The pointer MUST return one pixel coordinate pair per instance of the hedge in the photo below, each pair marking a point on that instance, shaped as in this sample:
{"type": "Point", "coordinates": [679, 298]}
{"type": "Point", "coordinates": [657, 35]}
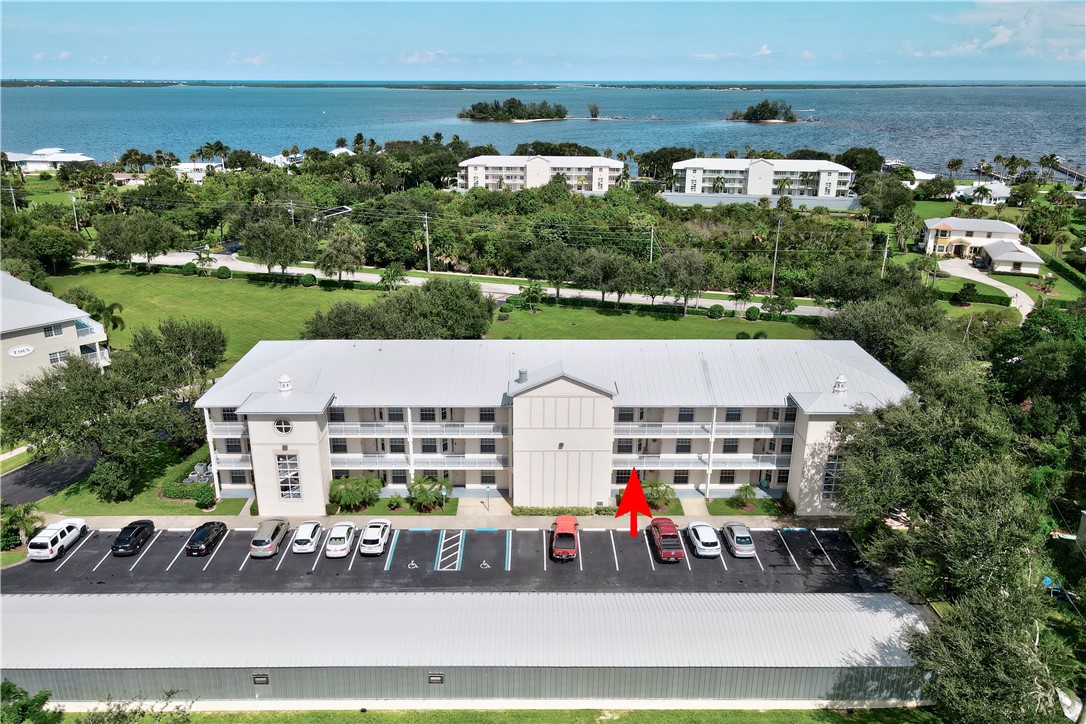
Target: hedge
{"type": "Point", "coordinates": [252, 277]}
{"type": "Point", "coordinates": [1001, 300]}
{"type": "Point", "coordinates": [566, 510]}
{"type": "Point", "coordinates": [1068, 272]}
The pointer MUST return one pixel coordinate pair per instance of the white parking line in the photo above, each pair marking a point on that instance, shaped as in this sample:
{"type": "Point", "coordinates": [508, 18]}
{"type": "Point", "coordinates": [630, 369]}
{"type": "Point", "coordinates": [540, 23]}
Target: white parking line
{"type": "Point", "coordinates": [69, 556]}
{"type": "Point", "coordinates": [596, 530]}
{"type": "Point", "coordinates": [218, 547]}
{"type": "Point", "coordinates": [179, 552]}
{"type": "Point", "coordinates": [291, 546]}
{"type": "Point", "coordinates": [354, 554]}
{"type": "Point", "coordinates": [614, 550]}
{"type": "Point", "coordinates": [144, 551]}
{"type": "Point", "coordinates": [101, 561]}
{"type": "Point", "coordinates": [761, 530]}
{"type": "Point", "coordinates": [109, 530]}
{"type": "Point", "coordinates": [451, 551]}
{"type": "Point", "coordinates": [686, 554]}
{"type": "Point", "coordinates": [320, 550]}
{"type": "Point", "coordinates": [245, 530]}
{"type": "Point", "coordinates": [649, 551]}
{"type": "Point", "coordinates": [824, 550]}
{"type": "Point", "coordinates": [722, 562]}
{"type": "Point", "coordinates": [759, 559]}
{"type": "Point", "coordinates": [580, 550]}
{"type": "Point", "coordinates": [544, 550]}
{"type": "Point", "coordinates": [827, 530]}
{"type": "Point", "coordinates": [247, 557]}
{"type": "Point", "coordinates": [527, 530]}
{"type": "Point", "coordinates": [178, 530]}
{"type": "Point", "coordinates": [788, 549]}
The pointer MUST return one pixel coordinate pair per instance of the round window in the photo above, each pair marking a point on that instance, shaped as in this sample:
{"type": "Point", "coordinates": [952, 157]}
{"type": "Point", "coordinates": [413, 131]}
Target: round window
{"type": "Point", "coordinates": [283, 427]}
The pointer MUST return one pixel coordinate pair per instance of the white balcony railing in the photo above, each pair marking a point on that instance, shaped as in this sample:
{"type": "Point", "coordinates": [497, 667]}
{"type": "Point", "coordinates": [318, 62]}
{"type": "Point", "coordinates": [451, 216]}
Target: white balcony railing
{"type": "Point", "coordinates": [89, 328]}
{"type": "Point", "coordinates": [458, 429]}
{"type": "Point", "coordinates": [699, 461]}
{"type": "Point", "coordinates": [701, 429]}
{"type": "Point", "coordinates": [398, 461]}
{"type": "Point", "coordinates": [229, 429]}
{"type": "Point", "coordinates": [367, 429]}
{"type": "Point", "coordinates": [231, 461]}
{"type": "Point", "coordinates": [381, 461]}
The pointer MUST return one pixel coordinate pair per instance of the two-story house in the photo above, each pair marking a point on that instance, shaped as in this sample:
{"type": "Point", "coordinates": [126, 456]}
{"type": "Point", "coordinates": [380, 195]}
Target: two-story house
{"type": "Point", "coordinates": [963, 237]}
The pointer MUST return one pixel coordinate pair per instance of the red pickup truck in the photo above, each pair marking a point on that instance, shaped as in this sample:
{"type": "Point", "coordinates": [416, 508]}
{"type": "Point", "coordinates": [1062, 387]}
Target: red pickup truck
{"type": "Point", "coordinates": [665, 537]}
{"type": "Point", "coordinates": [564, 538]}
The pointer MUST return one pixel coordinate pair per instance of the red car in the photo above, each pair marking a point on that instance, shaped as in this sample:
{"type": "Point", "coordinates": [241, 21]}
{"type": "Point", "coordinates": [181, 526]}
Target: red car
{"type": "Point", "coordinates": [564, 538]}
{"type": "Point", "coordinates": [665, 537]}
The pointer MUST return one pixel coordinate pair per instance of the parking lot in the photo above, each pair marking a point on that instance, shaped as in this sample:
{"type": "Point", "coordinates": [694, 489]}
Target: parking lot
{"type": "Point", "coordinates": [484, 559]}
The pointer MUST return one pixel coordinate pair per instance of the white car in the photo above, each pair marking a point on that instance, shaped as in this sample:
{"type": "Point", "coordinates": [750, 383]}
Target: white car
{"type": "Point", "coordinates": [340, 540]}
{"type": "Point", "coordinates": [703, 539]}
{"type": "Point", "coordinates": [375, 537]}
{"type": "Point", "coordinates": [308, 537]}
{"type": "Point", "coordinates": [54, 539]}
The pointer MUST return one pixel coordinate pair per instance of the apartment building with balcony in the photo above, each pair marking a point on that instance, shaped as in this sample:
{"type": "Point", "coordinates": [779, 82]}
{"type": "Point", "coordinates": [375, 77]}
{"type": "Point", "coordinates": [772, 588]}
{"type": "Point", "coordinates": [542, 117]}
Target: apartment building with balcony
{"type": "Point", "coordinates": [559, 422]}
{"type": "Point", "coordinates": [587, 174]}
{"type": "Point", "coordinates": [40, 331]}
{"type": "Point", "coordinates": [763, 177]}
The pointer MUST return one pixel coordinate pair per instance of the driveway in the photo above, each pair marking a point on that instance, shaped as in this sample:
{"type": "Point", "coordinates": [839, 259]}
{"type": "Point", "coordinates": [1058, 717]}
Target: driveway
{"type": "Point", "coordinates": [35, 481]}
{"type": "Point", "coordinates": [961, 268]}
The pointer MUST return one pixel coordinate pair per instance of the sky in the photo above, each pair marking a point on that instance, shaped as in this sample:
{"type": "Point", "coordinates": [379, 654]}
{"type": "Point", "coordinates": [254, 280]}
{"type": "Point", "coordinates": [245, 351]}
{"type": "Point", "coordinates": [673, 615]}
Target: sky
{"type": "Point", "coordinates": [537, 41]}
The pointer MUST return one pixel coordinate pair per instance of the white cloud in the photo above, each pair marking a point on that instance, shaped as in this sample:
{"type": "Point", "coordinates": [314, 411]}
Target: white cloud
{"type": "Point", "coordinates": [764, 50]}
{"type": "Point", "coordinates": [807, 55]}
{"type": "Point", "coordinates": [428, 58]}
{"type": "Point", "coordinates": [39, 56]}
{"type": "Point", "coordinates": [258, 59]}
{"type": "Point", "coordinates": [971, 47]}
{"type": "Point", "coordinates": [64, 55]}
{"type": "Point", "coordinates": [1024, 29]}
{"type": "Point", "coordinates": [96, 60]}
{"type": "Point", "coordinates": [710, 57]}
{"type": "Point", "coordinates": [1001, 35]}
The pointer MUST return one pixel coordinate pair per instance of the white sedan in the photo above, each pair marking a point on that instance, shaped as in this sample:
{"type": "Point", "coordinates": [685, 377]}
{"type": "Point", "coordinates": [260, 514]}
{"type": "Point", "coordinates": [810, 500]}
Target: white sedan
{"type": "Point", "coordinates": [375, 537]}
{"type": "Point", "coordinates": [307, 539]}
{"type": "Point", "coordinates": [703, 539]}
{"type": "Point", "coordinates": [340, 540]}
{"type": "Point", "coordinates": [54, 539]}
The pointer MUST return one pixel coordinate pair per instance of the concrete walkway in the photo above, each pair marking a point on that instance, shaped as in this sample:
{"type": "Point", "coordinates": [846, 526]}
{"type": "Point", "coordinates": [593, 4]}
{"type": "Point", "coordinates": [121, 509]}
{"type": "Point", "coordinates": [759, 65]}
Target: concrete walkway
{"type": "Point", "coordinates": [963, 269]}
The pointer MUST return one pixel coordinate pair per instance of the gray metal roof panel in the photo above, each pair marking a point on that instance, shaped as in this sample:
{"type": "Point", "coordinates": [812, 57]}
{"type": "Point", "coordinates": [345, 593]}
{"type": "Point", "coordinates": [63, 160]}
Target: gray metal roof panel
{"type": "Point", "coordinates": [963, 224]}
{"type": "Point", "coordinates": [273, 403]}
{"type": "Point", "coordinates": [476, 629]}
{"type": "Point", "coordinates": [25, 306]}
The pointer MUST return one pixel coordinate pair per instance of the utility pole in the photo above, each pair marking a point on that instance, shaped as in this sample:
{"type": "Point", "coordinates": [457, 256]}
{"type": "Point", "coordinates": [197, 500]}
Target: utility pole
{"type": "Point", "coordinates": [885, 254]}
{"type": "Point", "coordinates": [426, 232]}
{"type": "Point", "coordinates": [652, 241]}
{"type": "Point", "coordinates": [290, 204]}
{"type": "Point", "coordinates": [74, 214]}
{"type": "Point", "coordinates": [776, 245]}
{"type": "Point", "coordinates": [12, 190]}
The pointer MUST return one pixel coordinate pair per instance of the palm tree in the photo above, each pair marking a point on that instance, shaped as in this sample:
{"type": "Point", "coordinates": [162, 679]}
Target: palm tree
{"type": "Point", "coordinates": [111, 199]}
{"type": "Point", "coordinates": [954, 165]}
{"type": "Point", "coordinates": [24, 518]}
{"type": "Point", "coordinates": [782, 184]}
{"type": "Point", "coordinates": [809, 179]}
{"type": "Point", "coordinates": [1050, 162]}
{"type": "Point", "coordinates": [392, 276]}
{"type": "Point", "coordinates": [998, 209]}
{"type": "Point", "coordinates": [718, 185]}
{"type": "Point", "coordinates": [106, 314]}
{"type": "Point", "coordinates": [1002, 161]}
{"type": "Point", "coordinates": [607, 152]}
{"type": "Point", "coordinates": [982, 193]}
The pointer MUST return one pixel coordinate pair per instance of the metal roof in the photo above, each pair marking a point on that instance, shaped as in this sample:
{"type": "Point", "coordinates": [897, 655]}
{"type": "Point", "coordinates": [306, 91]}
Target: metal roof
{"type": "Point", "coordinates": [540, 377]}
{"type": "Point", "coordinates": [466, 629]}
{"type": "Point", "coordinates": [25, 306]}
{"type": "Point", "coordinates": [478, 373]}
{"type": "Point", "coordinates": [958, 224]}
{"type": "Point", "coordinates": [778, 164]}
{"type": "Point", "coordinates": [1006, 250]}
{"type": "Point", "coordinates": [273, 403]}
{"type": "Point", "coordinates": [560, 161]}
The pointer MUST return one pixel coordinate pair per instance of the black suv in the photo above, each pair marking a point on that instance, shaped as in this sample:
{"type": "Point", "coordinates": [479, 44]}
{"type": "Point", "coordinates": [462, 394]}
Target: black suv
{"type": "Point", "coordinates": [132, 538]}
{"type": "Point", "coordinates": [205, 538]}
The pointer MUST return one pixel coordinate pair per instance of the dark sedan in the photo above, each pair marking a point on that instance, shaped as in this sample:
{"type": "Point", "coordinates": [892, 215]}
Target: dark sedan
{"type": "Point", "coordinates": [133, 537]}
{"type": "Point", "coordinates": [204, 539]}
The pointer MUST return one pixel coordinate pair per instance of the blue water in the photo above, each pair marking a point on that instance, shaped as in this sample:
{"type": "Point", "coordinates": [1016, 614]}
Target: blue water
{"type": "Point", "coordinates": [924, 125]}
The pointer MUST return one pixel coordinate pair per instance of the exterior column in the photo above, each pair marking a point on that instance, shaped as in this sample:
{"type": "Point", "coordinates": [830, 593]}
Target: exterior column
{"type": "Point", "coordinates": [410, 446]}
{"type": "Point", "coordinates": [709, 460]}
{"type": "Point", "coordinates": [211, 449]}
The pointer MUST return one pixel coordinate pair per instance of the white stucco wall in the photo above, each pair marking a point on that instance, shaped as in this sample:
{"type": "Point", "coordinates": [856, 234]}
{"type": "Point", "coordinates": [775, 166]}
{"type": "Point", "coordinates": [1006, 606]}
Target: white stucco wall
{"type": "Point", "coordinates": [308, 441]}
{"type": "Point", "coordinates": [811, 444]}
{"type": "Point", "coordinates": [537, 172]}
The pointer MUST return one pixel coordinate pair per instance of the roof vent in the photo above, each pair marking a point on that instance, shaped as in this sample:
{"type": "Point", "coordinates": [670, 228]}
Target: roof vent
{"type": "Point", "coordinates": [522, 376]}
{"type": "Point", "coordinates": [285, 385]}
{"type": "Point", "coordinates": [840, 385]}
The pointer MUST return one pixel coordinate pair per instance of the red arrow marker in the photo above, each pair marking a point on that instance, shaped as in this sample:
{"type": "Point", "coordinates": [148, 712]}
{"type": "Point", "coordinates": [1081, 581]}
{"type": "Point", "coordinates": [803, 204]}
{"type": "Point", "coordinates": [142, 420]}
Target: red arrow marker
{"type": "Point", "coordinates": [633, 502]}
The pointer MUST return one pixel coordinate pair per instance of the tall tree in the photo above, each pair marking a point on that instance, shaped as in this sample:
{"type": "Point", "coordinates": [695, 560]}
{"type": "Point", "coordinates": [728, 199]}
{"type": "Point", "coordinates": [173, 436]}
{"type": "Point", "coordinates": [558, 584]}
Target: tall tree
{"type": "Point", "coordinates": [687, 273]}
{"type": "Point", "coordinates": [344, 252]}
{"type": "Point", "coordinates": [553, 262]}
{"type": "Point", "coordinates": [954, 165]}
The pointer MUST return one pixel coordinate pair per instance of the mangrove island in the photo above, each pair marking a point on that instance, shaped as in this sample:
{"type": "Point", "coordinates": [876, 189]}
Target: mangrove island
{"type": "Point", "coordinates": [766, 111]}
{"type": "Point", "coordinates": [513, 109]}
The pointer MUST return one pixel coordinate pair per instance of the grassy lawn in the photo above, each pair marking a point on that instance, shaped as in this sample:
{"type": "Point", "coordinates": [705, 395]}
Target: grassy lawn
{"type": "Point", "coordinates": [15, 461]}
{"type": "Point", "coordinates": [1063, 289]}
{"type": "Point", "coordinates": [588, 323]}
{"type": "Point", "coordinates": [941, 209]}
{"type": "Point", "coordinates": [727, 506]}
{"type": "Point", "coordinates": [953, 284]}
{"type": "Point", "coordinates": [380, 508]}
{"type": "Point", "coordinates": [46, 192]}
{"type": "Point", "coordinates": [7, 558]}
{"type": "Point", "coordinates": [247, 312]}
{"type": "Point", "coordinates": [953, 311]}
{"type": "Point", "coordinates": [674, 507]}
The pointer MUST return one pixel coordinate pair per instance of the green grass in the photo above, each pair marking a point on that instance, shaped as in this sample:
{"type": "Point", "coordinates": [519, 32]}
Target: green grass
{"type": "Point", "coordinates": [46, 192]}
{"type": "Point", "coordinates": [953, 284]}
{"type": "Point", "coordinates": [589, 323]}
{"type": "Point", "coordinates": [953, 311]}
{"type": "Point", "coordinates": [727, 506]}
{"type": "Point", "coordinates": [381, 508]}
{"type": "Point", "coordinates": [14, 462]}
{"type": "Point", "coordinates": [8, 558]}
{"type": "Point", "coordinates": [940, 209]}
{"type": "Point", "coordinates": [674, 507]}
{"type": "Point", "coordinates": [1063, 289]}
{"type": "Point", "coordinates": [247, 312]}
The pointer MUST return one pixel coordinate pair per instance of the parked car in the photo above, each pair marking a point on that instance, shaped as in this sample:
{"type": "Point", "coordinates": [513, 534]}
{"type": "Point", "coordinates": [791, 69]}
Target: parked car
{"type": "Point", "coordinates": [564, 538]}
{"type": "Point", "coordinates": [205, 538]}
{"type": "Point", "coordinates": [268, 537]}
{"type": "Point", "coordinates": [703, 539]}
{"type": "Point", "coordinates": [739, 540]}
{"type": "Point", "coordinates": [340, 540]}
{"type": "Point", "coordinates": [308, 537]}
{"type": "Point", "coordinates": [375, 537]}
{"type": "Point", "coordinates": [665, 537]}
{"type": "Point", "coordinates": [54, 539]}
{"type": "Point", "coordinates": [132, 538]}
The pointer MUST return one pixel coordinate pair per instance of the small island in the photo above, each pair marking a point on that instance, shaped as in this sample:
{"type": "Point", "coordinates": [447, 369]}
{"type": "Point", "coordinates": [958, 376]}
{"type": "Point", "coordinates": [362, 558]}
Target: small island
{"type": "Point", "coordinates": [766, 112]}
{"type": "Point", "coordinates": [513, 109]}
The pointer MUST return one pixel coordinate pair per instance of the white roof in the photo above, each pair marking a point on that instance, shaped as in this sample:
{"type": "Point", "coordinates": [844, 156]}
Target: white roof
{"type": "Point", "coordinates": [25, 306]}
{"type": "Point", "coordinates": [956, 223]}
{"type": "Point", "coordinates": [997, 189]}
{"type": "Point", "coordinates": [561, 161]}
{"type": "Point", "coordinates": [53, 155]}
{"type": "Point", "coordinates": [341, 151]}
{"type": "Point", "coordinates": [821, 630]}
{"type": "Point", "coordinates": [742, 164]}
{"type": "Point", "coordinates": [1006, 250]}
{"type": "Point", "coordinates": [47, 151]}
{"type": "Point", "coordinates": [478, 373]}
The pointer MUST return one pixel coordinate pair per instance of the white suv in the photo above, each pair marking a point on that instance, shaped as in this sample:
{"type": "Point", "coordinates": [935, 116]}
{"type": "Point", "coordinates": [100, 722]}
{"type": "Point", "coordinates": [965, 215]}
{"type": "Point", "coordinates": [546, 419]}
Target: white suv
{"type": "Point", "coordinates": [55, 538]}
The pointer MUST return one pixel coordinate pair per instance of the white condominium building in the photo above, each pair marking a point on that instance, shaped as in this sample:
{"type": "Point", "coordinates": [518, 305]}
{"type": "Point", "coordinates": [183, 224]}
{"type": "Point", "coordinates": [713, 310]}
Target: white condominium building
{"type": "Point", "coordinates": [763, 177]}
{"type": "Point", "coordinates": [594, 174]}
{"type": "Point", "coordinates": [40, 331]}
{"type": "Point", "coordinates": [551, 423]}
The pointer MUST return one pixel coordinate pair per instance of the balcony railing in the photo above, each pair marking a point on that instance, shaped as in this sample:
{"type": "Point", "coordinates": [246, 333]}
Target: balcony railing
{"type": "Point", "coordinates": [701, 429]}
{"type": "Point", "coordinates": [458, 429]}
{"type": "Point", "coordinates": [699, 461]}
{"type": "Point", "coordinates": [398, 461]}
{"type": "Point", "coordinates": [367, 429]}
{"type": "Point", "coordinates": [230, 461]}
{"type": "Point", "coordinates": [229, 429]}
{"type": "Point", "coordinates": [89, 328]}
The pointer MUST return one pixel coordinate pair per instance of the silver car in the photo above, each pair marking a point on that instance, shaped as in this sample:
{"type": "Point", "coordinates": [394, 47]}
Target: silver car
{"type": "Point", "coordinates": [739, 540]}
{"type": "Point", "coordinates": [703, 540]}
{"type": "Point", "coordinates": [268, 537]}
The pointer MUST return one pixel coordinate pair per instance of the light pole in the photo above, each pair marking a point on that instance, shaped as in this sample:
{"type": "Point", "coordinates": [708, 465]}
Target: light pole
{"type": "Point", "coordinates": [443, 497]}
{"type": "Point", "coordinates": [488, 498]}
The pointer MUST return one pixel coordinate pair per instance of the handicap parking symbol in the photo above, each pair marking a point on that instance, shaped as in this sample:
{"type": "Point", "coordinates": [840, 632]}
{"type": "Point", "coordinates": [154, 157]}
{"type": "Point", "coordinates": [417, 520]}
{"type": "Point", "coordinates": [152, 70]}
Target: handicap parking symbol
{"type": "Point", "coordinates": [412, 565]}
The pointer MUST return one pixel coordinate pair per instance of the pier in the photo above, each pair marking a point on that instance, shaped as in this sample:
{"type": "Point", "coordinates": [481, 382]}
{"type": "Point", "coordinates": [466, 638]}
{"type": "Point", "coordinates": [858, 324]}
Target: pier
{"type": "Point", "coordinates": [1071, 173]}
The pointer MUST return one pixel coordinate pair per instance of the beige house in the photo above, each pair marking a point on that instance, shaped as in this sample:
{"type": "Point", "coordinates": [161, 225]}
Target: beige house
{"type": "Point", "coordinates": [1009, 256]}
{"type": "Point", "coordinates": [763, 177]}
{"type": "Point", "coordinates": [40, 331]}
{"type": "Point", "coordinates": [963, 237]}
{"type": "Point", "coordinates": [550, 423]}
{"type": "Point", "coordinates": [589, 174]}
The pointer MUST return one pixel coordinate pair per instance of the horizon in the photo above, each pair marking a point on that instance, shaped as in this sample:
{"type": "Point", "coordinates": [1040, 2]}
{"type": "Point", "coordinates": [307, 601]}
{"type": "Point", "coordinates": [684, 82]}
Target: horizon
{"type": "Point", "coordinates": [563, 81]}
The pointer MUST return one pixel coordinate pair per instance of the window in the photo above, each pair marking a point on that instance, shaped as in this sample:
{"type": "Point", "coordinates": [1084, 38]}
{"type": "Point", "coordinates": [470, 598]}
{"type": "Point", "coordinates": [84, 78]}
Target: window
{"type": "Point", "coordinates": [487, 477]}
{"type": "Point", "coordinates": [786, 446]}
{"type": "Point", "coordinates": [686, 414]}
{"type": "Point", "coordinates": [290, 487]}
{"type": "Point", "coordinates": [622, 477]}
{"type": "Point", "coordinates": [429, 444]}
{"type": "Point", "coordinates": [727, 477]}
{"type": "Point", "coordinates": [54, 330]}
{"type": "Point", "coordinates": [733, 414]}
{"type": "Point", "coordinates": [339, 444]}
{"type": "Point", "coordinates": [335, 414]}
{"type": "Point", "coordinates": [988, 235]}
{"type": "Point", "coordinates": [341, 474]}
{"type": "Point", "coordinates": [772, 445]}
{"type": "Point", "coordinates": [395, 414]}
{"type": "Point", "coordinates": [229, 414]}
{"type": "Point", "coordinates": [730, 445]}
{"type": "Point", "coordinates": [829, 480]}
{"type": "Point", "coordinates": [789, 414]}
{"type": "Point", "coordinates": [940, 249]}
{"type": "Point", "coordinates": [233, 445]}
{"type": "Point", "coordinates": [782, 478]}
{"type": "Point", "coordinates": [775, 414]}
{"type": "Point", "coordinates": [427, 414]}
{"type": "Point", "coordinates": [486, 414]}
{"type": "Point", "coordinates": [681, 477]}
{"type": "Point", "coordinates": [396, 445]}
{"type": "Point", "coordinates": [430, 474]}
{"type": "Point", "coordinates": [446, 414]}
{"type": "Point", "coordinates": [238, 477]}
{"type": "Point", "coordinates": [283, 427]}
{"type": "Point", "coordinates": [486, 445]}
{"type": "Point", "coordinates": [625, 414]}
{"type": "Point", "coordinates": [56, 358]}
{"type": "Point", "coordinates": [625, 445]}
{"type": "Point", "coordinates": [399, 477]}
{"type": "Point", "coordinates": [682, 445]}
{"type": "Point", "coordinates": [969, 235]}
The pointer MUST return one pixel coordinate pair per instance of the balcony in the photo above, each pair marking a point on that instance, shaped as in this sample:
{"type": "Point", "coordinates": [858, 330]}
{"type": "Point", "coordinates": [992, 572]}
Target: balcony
{"type": "Point", "coordinates": [230, 461]}
{"type": "Point", "coordinates": [229, 429]}
{"type": "Point", "coordinates": [696, 461]}
{"type": "Point", "coordinates": [89, 328]}
{"type": "Point", "coordinates": [380, 461]}
{"type": "Point", "coordinates": [701, 429]}
{"type": "Point", "coordinates": [458, 429]}
{"type": "Point", "coordinates": [367, 429]}
{"type": "Point", "coordinates": [398, 461]}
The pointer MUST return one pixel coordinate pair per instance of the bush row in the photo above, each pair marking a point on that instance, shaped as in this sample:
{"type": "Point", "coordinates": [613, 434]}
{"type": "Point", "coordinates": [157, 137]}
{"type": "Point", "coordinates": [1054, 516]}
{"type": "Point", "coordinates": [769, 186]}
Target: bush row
{"type": "Point", "coordinates": [202, 493]}
{"type": "Point", "coordinates": [566, 510]}
{"type": "Point", "coordinates": [665, 308]}
{"type": "Point", "coordinates": [224, 272]}
{"type": "Point", "coordinates": [998, 299]}
{"type": "Point", "coordinates": [1065, 270]}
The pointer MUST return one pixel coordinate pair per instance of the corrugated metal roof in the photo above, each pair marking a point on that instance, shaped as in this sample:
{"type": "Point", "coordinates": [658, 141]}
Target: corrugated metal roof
{"type": "Point", "coordinates": [778, 164]}
{"type": "Point", "coordinates": [455, 629]}
{"type": "Point", "coordinates": [1006, 250]}
{"type": "Point", "coordinates": [271, 403]}
{"type": "Point", "coordinates": [25, 306]}
{"type": "Point", "coordinates": [562, 161]}
{"type": "Point", "coordinates": [959, 224]}
{"type": "Point", "coordinates": [477, 373]}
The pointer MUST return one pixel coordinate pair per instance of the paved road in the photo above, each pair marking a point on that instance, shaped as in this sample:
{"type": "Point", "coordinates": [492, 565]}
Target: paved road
{"type": "Point", "coordinates": [961, 268]}
{"type": "Point", "coordinates": [35, 481]}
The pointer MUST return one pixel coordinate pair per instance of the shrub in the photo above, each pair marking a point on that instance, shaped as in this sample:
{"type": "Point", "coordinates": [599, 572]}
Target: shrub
{"type": "Point", "coordinates": [189, 269]}
{"type": "Point", "coordinates": [426, 493]}
{"type": "Point", "coordinates": [204, 495]}
{"type": "Point", "coordinates": [742, 335]}
{"type": "Point", "coordinates": [308, 280]}
{"type": "Point", "coordinates": [605, 510]}
{"type": "Point", "coordinates": [658, 493]}
{"type": "Point", "coordinates": [45, 176]}
{"type": "Point", "coordinates": [760, 334]}
{"type": "Point", "coordinates": [355, 493]}
{"type": "Point", "coordinates": [170, 269]}
{"type": "Point", "coordinates": [9, 538]}
{"type": "Point", "coordinates": [254, 509]}
{"type": "Point", "coordinates": [331, 509]}
{"type": "Point", "coordinates": [744, 496]}
{"type": "Point", "coordinates": [503, 317]}
{"type": "Point", "coordinates": [563, 510]}
{"type": "Point", "coordinates": [788, 506]}
{"type": "Point", "coordinates": [752, 313]}
{"type": "Point", "coordinates": [966, 295]}
{"type": "Point", "coordinates": [716, 311]}
{"type": "Point", "coordinates": [223, 272]}
{"type": "Point", "coordinates": [395, 501]}
{"type": "Point", "coordinates": [505, 308]}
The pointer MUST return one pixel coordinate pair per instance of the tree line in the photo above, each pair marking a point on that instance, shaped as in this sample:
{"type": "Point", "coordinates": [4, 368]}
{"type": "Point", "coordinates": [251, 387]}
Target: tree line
{"type": "Point", "coordinates": [513, 109]}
